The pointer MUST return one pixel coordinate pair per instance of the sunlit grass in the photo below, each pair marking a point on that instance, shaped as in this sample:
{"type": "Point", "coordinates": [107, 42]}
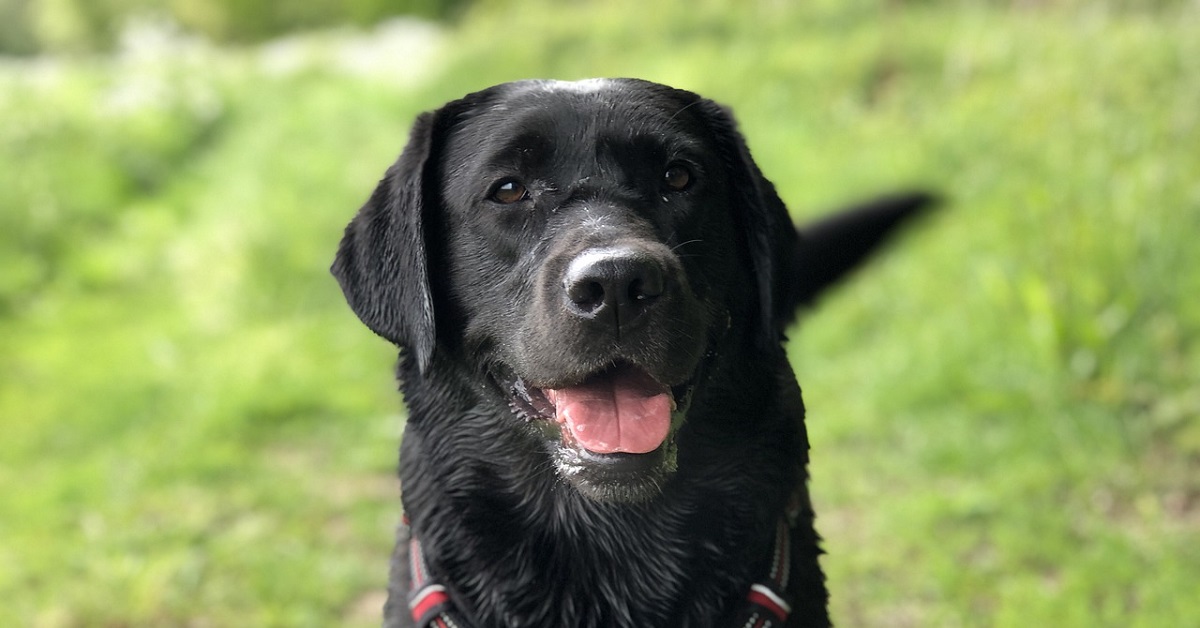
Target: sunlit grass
{"type": "Point", "coordinates": [1003, 408]}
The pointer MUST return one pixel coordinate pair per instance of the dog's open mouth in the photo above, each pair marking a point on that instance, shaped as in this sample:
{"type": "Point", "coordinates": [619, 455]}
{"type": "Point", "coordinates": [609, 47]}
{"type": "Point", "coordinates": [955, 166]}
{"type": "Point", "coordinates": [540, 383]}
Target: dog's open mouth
{"type": "Point", "coordinates": [609, 432]}
{"type": "Point", "coordinates": [620, 410]}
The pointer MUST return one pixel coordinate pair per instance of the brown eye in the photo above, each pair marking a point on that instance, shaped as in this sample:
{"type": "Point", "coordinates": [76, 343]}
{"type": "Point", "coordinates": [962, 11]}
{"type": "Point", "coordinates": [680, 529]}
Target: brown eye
{"type": "Point", "coordinates": [677, 178]}
{"type": "Point", "coordinates": [509, 191]}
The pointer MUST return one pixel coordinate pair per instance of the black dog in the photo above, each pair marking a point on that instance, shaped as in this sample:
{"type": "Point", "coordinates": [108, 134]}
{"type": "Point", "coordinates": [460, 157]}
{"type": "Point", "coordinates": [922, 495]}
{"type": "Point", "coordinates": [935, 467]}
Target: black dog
{"type": "Point", "coordinates": [590, 283]}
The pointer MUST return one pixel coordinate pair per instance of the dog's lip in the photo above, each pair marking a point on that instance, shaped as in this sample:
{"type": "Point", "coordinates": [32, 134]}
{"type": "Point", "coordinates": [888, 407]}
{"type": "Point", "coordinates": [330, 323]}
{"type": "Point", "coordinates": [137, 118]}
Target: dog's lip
{"type": "Point", "coordinates": [532, 403]}
{"type": "Point", "coordinates": [614, 466]}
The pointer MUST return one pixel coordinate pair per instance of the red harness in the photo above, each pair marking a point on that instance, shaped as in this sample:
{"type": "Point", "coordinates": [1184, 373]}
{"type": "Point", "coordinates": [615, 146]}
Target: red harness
{"type": "Point", "coordinates": [766, 604]}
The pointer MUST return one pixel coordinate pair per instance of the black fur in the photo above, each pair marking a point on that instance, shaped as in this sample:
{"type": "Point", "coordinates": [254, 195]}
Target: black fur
{"type": "Point", "coordinates": [523, 528]}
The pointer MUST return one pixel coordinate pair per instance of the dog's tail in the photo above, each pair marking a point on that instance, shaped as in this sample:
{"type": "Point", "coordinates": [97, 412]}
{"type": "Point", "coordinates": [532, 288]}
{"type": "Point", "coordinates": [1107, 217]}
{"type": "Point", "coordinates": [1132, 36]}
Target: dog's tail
{"type": "Point", "coordinates": [831, 247]}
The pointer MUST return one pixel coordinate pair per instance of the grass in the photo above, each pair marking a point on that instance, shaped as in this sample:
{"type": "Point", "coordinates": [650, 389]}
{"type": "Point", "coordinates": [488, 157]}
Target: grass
{"type": "Point", "coordinates": [1003, 408]}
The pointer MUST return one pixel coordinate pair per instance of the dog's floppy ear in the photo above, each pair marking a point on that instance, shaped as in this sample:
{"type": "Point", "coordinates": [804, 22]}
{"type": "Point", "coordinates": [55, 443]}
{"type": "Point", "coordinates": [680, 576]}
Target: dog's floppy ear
{"type": "Point", "coordinates": [382, 263]}
{"type": "Point", "coordinates": [763, 220]}
{"type": "Point", "coordinates": [793, 267]}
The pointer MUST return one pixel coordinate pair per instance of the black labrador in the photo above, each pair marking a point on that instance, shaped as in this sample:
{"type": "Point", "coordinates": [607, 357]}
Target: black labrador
{"type": "Point", "coordinates": [590, 282]}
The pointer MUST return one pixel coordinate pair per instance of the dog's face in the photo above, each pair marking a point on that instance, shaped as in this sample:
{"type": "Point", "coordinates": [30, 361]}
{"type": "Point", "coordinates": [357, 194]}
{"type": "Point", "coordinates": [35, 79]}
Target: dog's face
{"type": "Point", "coordinates": [585, 248]}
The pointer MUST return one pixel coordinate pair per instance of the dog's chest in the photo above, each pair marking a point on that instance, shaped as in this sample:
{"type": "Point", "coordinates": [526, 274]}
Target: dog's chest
{"type": "Point", "coordinates": [598, 574]}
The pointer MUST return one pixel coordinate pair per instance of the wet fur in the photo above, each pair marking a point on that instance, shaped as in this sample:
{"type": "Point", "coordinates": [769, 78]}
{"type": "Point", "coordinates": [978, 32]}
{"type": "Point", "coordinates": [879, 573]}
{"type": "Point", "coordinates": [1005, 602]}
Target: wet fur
{"type": "Point", "coordinates": [466, 290]}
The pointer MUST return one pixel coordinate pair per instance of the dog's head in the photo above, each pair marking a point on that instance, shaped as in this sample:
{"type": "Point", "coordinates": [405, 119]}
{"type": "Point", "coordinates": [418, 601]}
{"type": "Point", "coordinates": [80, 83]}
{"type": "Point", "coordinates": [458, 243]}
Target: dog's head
{"type": "Point", "coordinates": [586, 248]}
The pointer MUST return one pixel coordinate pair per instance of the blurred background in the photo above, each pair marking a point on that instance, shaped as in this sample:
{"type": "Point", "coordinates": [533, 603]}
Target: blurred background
{"type": "Point", "coordinates": [196, 431]}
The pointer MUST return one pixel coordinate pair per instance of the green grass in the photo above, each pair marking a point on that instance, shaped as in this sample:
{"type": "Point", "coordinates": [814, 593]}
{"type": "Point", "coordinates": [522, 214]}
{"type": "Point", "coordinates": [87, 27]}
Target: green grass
{"type": "Point", "coordinates": [1003, 408]}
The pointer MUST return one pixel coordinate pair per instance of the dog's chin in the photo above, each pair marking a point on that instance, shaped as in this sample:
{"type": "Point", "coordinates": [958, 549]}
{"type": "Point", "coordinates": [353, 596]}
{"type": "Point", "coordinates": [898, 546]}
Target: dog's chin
{"type": "Point", "coordinates": [617, 477]}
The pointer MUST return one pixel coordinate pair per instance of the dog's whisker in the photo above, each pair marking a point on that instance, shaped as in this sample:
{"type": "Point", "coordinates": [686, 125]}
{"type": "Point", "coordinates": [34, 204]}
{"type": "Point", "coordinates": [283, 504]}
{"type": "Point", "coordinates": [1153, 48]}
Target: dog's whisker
{"type": "Point", "coordinates": [681, 244]}
{"type": "Point", "coordinates": [683, 109]}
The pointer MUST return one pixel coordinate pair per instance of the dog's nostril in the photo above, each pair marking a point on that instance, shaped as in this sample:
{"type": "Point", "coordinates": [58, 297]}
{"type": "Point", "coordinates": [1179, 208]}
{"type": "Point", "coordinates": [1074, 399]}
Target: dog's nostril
{"type": "Point", "coordinates": [647, 285]}
{"type": "Point", "coordinates": [588, 295]}
{"type": "Point", "coordinates": [635, 290]}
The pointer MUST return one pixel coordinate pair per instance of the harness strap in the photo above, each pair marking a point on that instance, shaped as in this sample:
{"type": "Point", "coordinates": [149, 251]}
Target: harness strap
{"type": "Point", "coordinates": [767, 603]}
{"type": "Point", "coordinates": [428, 601]}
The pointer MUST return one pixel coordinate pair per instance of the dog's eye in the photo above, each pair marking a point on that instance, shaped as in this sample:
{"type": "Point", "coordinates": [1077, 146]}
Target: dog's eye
{"type": "Point", "coordinates": [677, 177]}
{"type": "Point", "coordinates": [509, 191]}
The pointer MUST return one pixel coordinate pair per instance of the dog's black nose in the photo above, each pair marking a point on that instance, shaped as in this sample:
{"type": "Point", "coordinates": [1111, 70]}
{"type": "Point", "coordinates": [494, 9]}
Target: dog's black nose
{"type": "Point", "coordinates": [612, 286]}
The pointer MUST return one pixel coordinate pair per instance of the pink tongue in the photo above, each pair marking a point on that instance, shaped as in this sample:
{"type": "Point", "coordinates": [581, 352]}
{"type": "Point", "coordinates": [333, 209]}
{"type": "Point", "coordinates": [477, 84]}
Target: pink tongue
{"type": "Point", "coordinates": [625, 411]}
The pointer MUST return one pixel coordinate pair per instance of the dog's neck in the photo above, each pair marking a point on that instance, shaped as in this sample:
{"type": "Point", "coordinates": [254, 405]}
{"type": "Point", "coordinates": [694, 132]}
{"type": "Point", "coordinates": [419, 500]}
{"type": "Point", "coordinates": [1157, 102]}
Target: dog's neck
{"type": "Point", "coordinates": [765, 604]}
{"type": "Point", "coordinates": [544, 547]}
